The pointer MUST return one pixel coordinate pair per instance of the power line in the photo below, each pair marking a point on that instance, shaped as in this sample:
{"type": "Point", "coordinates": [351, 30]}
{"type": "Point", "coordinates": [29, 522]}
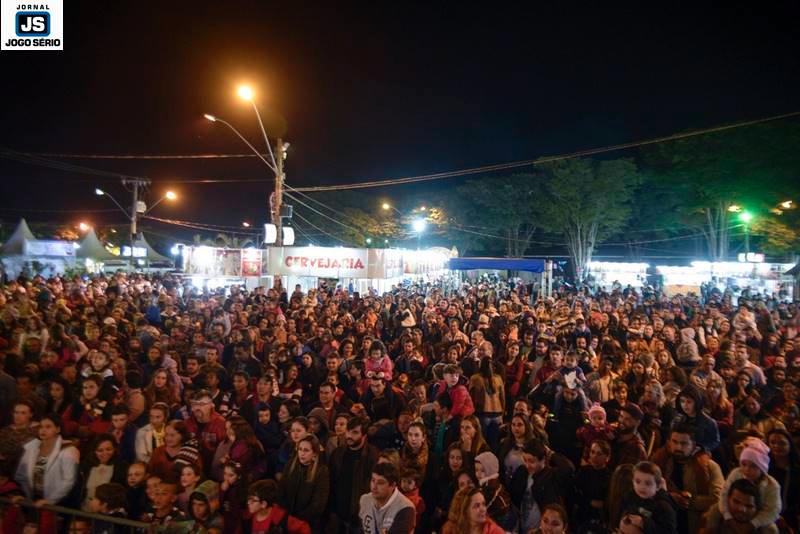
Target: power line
{"type": "Point", "coordinates": [201, 226]}
{"type": "Point", "coordinates": [141, 156]}
{"type": "Point", "coordinates": [312, 225]}
{"type": "Point", "coordinates": [547, 159]}
{"type": "Point", "coordinates": [320, 213]}
{"type": "Point", "coordinates": [33, 158]}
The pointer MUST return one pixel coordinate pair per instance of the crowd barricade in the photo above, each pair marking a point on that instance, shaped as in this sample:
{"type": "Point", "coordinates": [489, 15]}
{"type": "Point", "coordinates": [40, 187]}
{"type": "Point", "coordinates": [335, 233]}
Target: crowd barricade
{"type": "Point", "coordinates": [53, 519]}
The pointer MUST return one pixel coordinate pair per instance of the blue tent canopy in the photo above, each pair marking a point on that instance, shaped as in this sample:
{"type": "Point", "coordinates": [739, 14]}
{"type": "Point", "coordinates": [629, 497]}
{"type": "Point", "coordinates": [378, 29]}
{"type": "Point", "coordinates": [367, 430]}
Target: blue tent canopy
{"type": "Point", "coordinates": [500, 264]}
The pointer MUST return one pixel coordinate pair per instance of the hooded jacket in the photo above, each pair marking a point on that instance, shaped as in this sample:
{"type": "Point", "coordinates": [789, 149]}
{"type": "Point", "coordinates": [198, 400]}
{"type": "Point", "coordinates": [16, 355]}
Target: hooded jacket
{"type": "Point", "coordinates": [688, 352]}
{"type": "Point", "coordinates": [706, 433]}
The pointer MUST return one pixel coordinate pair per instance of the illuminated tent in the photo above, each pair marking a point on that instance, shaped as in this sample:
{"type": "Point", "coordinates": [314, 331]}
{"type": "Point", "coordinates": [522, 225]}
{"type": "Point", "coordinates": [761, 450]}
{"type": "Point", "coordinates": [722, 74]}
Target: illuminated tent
{"type": "Point", "coordinates": [91, 248]}
{"type": "Point", "coordinates": [16, 245]}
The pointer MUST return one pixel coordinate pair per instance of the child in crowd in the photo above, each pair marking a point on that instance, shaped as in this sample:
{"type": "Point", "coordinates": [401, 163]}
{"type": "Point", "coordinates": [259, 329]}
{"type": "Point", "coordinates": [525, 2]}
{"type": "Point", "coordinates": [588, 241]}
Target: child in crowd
{"type": "Point", "coordinates": [648, 506]}
{"type": "Point", "coordinates": [191, 475]}
{"type": "Point", "coordinates": [111, 500]}
{"type": "Point", "coordinates": [409, 486]}
{"type": "Point", "coordinates": [233, 497]}
{"type": "Point", "coordinates": [164, 509]}
{"type": "Point", "coordinates": [204, 507]}
{"type": "Point", "coordinates": [267, 516]}
{"type": "Point", "coordinates": [754, 466]}
{"type": "Point", "coordinates": [596, 429]}
{"type": "Point", "coordinates": [136, 496]}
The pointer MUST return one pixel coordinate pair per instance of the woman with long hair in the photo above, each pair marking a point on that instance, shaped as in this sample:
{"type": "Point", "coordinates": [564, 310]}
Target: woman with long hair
{"type": "Point", "coordinates": [751, 416]}
{"type": "Point", "coordinates": [90, 414]}
{"type": "Point", "coordinates": [244, 448]}
{"type": "Point", "coordinates": [305, 484]}
{"type": "Point", "coordinates": [48, 469]}
{"type": "Point", "coordinates": [784, 467]}
{"type": "Point", "coordinates": [473, 517]}
{"type": "Point", "coordinates": [59, 396]}
{"type": "Point", "coordinates": [163, 459]}
{"type": "Point", "coordinates": [102, 466]}
{"type": "Point", "coordinates": [297, 429]}
{"type": "Point", "coordinates": [514, 368]}
{"type": "Point", "coordinates": [489, 398]}
{"type": "Point", "coordinates": [621, 484]}
{"type": "Point", "coordinates": [414, 454]}
{"type": "Point", "coordinates": [520, 434]}
{"type": "Point", "coordinates": [719, 408]}
{"type": "Point", "coordinates": [471, 439]}
{"type": "Point", "coordinates": [161, 390]}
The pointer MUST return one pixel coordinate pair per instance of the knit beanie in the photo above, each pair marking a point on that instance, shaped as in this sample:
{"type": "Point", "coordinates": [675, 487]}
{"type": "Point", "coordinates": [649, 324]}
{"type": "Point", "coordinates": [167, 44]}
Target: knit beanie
{"type": "Point", "coordinates": [490, 464]}
{"type": "Point", "coordinates": [755, 443]}
{"type": "Point", "coordinates": [757, 456]}
{"type": "Point", "coordinates": [189, 453]}
{"type": "Point", "coordinates": [596, 408]}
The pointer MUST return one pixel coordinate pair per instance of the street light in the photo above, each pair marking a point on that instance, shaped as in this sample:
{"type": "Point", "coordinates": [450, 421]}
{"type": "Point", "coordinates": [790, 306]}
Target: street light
{"type": "Point", "coordinates": [245, 92]}
{"type": "Point", "coordinates": [369, 241]}
{"type": "Point", "coordinates": [169, 195]}
{"type": "Point", "coordinates": [84, 227]}
{"type": "Point", "coordinates": [246, 224]}
{"type": "Point", "coordinates": [787, 204]}
{"type": "Point", "coordinates": [745, 217]}
{"type": "Point", "coordinates": [734, 208]}
{"type": "Point", "coordinates": [386, 207]}
{"type": "Point", "coordinates": [99, 192]}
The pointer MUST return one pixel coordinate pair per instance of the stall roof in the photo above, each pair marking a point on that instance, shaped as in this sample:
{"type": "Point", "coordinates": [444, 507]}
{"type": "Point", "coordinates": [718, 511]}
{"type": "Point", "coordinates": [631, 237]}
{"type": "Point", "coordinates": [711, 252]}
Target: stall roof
{"type": "Point", "coordinates": [794, 271]}
{"type": "Point", "coordinates": [92, 248]}
{"type": "Point", "coordinates": [510, 264]}
{"type": "Point", "coordinates": [15, 245]}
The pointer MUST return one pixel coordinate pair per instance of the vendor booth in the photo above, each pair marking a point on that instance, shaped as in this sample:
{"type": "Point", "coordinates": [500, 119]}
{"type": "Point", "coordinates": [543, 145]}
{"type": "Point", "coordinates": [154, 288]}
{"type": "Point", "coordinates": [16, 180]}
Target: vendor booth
{"type": "Point", "coordinates": [356, 269]}
{"type": "Point", "coordinates": [23, 253]}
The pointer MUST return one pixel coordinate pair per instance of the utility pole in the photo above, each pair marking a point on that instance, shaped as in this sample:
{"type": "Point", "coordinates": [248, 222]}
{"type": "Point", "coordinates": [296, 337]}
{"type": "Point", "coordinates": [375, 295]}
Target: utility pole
{"type": "Point", "coordinates": [277, 219]}
{"type": "Point", "coordinates": [135, 210]}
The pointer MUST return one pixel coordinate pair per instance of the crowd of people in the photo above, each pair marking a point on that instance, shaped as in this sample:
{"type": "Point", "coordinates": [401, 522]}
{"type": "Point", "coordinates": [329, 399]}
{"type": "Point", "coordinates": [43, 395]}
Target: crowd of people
{"type": "Point", "coordinates": [475, 410]}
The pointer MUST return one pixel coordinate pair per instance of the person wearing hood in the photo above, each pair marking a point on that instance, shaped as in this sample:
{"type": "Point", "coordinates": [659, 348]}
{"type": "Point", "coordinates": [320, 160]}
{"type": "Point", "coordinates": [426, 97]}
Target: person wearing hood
{"type": "Point", "coordinates": [498, 500]}
{"type": "Point", "coordinates": [688, 351]}
{"type": "Point", "coordinates": [204, 507]}
{"type": "Point", "coordinates": [690, 412]}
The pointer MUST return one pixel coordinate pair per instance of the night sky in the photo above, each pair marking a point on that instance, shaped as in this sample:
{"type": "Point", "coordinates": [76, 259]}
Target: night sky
{"type": "Point", "coordinates": [367, 92]}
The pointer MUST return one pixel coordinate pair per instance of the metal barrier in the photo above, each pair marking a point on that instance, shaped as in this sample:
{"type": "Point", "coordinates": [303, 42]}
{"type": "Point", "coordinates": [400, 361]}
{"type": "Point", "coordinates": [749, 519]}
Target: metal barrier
{"type": "Point", "coordinates": [137, 527]}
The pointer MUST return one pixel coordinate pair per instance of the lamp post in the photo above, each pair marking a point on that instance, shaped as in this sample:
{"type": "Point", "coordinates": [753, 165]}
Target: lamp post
{"type": "Point", "coordinates": [138, 208]}
{"type": "Point", "coordinates": [275, 165]}
{"type": "Point", "coordinates": [386, 207]}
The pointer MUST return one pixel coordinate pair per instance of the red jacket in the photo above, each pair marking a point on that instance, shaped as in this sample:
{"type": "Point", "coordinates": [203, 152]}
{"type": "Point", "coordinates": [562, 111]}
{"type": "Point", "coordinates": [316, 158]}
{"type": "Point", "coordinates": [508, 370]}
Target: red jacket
{"type": "Point", "coordinates": [459, 395]}
{"type": "Point", "coordinates": [293, 524]}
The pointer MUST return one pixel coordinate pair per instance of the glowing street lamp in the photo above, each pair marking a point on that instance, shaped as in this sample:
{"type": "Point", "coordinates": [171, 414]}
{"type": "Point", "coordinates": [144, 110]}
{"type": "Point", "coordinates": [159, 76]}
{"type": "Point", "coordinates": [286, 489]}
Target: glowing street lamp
{"type": "Point", "coordinates": [734, 208]}
{"type": "Point", "coordinates": [745, 217]}
{"type": "Point", "coordinates": [84, 227]}
{"type": "Point", "coordinates": [245, 92]}
{"type": "Point", "coordinates": [246, 224]}
{"type": "Point", "coordinates": [787, 204]}
{"type": "Point", "coordinates": [99, 192]}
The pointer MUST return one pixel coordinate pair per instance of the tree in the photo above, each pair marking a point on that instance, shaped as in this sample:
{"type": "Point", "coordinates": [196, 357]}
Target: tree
{"type": "Point", "coordinates": [585, 201]}
{"type": "Point", "coordinates": [753, 167]}
{"type": "Point", "coordinates": [495, 209]}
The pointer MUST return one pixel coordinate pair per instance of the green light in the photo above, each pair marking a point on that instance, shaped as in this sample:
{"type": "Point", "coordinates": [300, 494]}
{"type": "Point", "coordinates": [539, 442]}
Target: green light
{"type": "Point", "coordinates": [745, 217]}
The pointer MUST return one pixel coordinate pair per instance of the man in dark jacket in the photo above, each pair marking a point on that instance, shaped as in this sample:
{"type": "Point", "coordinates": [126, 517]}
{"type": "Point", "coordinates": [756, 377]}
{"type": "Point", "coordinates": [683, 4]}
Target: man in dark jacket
{"type": "Point", "coordinates": [351, 467]}
{"type": "Point", "coordinates": [536, 483]}
{"type": "Point", "coordinates": [628, 447]}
